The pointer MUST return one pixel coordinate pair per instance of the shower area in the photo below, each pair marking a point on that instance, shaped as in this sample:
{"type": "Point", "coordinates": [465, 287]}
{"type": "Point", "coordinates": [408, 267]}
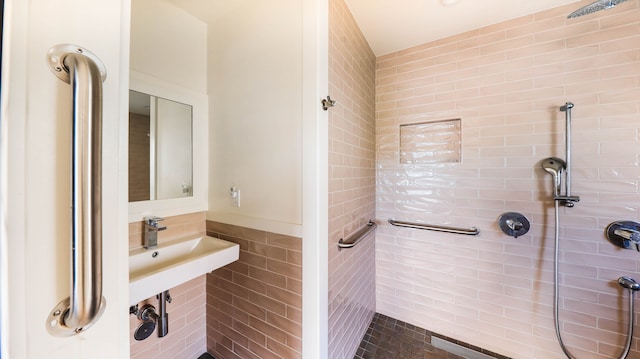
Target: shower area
{"type": "Point", "coordinates": [497, 104]}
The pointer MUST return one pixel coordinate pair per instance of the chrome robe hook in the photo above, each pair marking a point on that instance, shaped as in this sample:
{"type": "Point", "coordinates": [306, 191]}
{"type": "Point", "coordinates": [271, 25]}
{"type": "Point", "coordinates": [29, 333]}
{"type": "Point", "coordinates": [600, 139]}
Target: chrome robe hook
{"type": "Point", "coordinates": [328, 102]}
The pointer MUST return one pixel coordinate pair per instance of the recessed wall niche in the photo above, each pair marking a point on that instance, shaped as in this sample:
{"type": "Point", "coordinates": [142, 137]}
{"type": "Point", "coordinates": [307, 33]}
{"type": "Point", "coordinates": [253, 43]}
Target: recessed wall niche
{"type": "Point", "coordinates": [431, 142]}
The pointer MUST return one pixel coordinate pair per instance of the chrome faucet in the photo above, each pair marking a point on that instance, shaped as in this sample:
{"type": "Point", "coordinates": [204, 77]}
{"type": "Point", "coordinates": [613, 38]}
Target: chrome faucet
{"type": "Point", "coordinates": [151, 228]}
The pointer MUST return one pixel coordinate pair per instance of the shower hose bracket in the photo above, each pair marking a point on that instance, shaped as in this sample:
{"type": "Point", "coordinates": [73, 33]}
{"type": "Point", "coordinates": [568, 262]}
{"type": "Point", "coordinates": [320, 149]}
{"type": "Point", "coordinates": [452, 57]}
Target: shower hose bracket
{"type": "Point", "coordinates": [568, 201]}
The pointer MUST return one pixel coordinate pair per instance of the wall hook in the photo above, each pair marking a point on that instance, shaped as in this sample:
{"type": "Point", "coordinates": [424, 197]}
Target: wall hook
{"type": "Point", "coordinates": [328, 102]}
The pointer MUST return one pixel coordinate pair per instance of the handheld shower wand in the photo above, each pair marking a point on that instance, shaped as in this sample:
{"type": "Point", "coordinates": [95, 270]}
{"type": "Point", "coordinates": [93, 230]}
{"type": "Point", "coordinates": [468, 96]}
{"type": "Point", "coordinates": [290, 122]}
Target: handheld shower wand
{"type": "Point", "coordinates": [555, 167]}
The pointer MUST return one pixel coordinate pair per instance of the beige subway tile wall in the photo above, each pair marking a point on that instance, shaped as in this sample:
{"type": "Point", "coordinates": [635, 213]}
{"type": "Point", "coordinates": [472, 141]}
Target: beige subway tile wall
{"type": "Point", "coordinates": [254, 305]}
{"type": "Point", "coordinates": [192, 224]}
{"type": "Point", "coordinates": [187, 310]}
{"type": "Point", "coordinates": [351, 181]}
{"type": "Point", "coordinates": [187, 323]}
{"type": "Point", "coordinates": [506, 82]}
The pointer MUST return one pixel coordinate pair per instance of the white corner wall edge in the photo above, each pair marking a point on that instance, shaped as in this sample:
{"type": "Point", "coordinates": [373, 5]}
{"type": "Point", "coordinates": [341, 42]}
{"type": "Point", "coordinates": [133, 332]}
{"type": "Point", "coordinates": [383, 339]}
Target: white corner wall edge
{"type": "Point", "coordinates": [315, 185]}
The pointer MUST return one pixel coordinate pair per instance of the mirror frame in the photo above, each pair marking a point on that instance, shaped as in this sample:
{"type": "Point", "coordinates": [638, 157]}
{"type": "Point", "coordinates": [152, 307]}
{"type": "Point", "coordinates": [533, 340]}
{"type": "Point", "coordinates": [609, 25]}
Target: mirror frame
{"type": "Point", "coordinates": [200, 150]}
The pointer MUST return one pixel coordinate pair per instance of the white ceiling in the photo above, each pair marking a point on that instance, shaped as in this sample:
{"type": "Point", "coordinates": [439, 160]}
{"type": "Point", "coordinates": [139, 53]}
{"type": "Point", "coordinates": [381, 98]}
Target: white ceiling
{"type": "Point", "coordinates": [392, 25]}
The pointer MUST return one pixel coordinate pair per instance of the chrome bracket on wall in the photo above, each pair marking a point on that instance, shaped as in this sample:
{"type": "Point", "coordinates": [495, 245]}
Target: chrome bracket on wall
{"type": "Point", "coordinates": [84, 306]}
{"type": "Point", "coordinates": [328, 102]}
{"type": "Point", "coordinates": [57, 54]}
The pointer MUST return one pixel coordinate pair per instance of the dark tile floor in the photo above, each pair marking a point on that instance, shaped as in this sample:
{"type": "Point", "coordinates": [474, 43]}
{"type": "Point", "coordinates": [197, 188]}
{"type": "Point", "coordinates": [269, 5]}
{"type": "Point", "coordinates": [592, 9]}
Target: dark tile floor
{"type": "Point", "coordinates": [388, 338]}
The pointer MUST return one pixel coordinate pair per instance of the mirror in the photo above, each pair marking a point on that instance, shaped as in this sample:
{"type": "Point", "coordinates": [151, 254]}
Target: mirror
{"type": "Point", "coordinates": [160, 148]}
{"type": "Point", "coordinates": [169, 166]}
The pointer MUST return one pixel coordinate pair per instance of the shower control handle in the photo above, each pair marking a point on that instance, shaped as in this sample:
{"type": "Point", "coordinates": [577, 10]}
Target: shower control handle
{"type": "Point", "coordinates": [624, 234]}
{"type": "Point", "coordinates": [630, 234]}
{"type": "Point", "coordinates": [629, 283]}
{"type": "Point", "coordinates": [514, 224]}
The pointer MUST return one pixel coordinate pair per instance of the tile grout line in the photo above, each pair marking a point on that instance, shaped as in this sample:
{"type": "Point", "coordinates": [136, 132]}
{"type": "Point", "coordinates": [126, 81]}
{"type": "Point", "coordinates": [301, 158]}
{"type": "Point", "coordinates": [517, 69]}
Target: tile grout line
{"type": "Point", "coordinates": [388, 337]}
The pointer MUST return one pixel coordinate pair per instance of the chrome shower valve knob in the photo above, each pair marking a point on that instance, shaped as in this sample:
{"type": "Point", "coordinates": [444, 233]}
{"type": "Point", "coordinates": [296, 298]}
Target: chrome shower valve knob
{"type": "Point", "coordinates": [624, 234]}
{"type": "Point", "coordinates": [514, 224]}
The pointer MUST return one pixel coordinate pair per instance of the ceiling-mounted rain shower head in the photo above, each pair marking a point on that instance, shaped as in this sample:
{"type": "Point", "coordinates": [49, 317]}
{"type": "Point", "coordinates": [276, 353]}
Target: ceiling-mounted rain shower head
{"type": "Point", "coordinates": [594, 7]}
{"type": "Point", "coordinates": [555, 167]}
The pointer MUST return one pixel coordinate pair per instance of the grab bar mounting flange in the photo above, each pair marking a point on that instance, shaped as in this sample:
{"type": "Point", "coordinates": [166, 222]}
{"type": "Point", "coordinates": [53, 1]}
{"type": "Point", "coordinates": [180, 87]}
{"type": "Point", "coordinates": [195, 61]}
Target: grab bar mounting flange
{"type": "Point", "coordinates": [57, 54]}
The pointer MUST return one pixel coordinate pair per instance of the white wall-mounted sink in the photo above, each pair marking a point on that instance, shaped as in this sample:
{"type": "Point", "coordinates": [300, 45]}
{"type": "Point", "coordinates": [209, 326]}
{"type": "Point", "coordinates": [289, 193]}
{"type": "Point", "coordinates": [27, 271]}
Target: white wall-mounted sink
{"type": "Point", "coordinates": [152, 271]}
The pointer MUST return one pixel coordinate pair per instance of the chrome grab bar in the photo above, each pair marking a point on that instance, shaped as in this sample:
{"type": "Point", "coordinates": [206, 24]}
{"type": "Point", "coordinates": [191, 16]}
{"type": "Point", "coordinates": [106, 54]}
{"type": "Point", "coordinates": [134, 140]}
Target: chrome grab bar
{"type": "Point", "coordinates": [358, 236]}
{"type": "Point", "coordinates": [85, 304]}
{"type": "Point", "coordinates": [473, 231]}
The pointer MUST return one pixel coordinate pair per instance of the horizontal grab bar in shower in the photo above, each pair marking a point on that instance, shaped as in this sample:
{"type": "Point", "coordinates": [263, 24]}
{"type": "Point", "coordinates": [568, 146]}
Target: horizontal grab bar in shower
{"type": "Point", "coordinates": [357, 237]}
{"type": "Point", "coordinates": [473, 231]}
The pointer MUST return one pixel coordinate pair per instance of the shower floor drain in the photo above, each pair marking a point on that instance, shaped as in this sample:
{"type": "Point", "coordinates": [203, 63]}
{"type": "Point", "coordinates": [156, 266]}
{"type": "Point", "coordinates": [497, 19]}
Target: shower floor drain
{"type": "Point", "coordinates": [464, 352]}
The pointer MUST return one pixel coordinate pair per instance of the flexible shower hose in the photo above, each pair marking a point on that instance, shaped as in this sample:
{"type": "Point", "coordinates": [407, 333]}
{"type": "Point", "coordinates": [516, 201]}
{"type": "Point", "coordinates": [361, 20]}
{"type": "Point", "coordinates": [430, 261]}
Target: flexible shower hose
{"type": "Point", "coordinates": [556, 298]}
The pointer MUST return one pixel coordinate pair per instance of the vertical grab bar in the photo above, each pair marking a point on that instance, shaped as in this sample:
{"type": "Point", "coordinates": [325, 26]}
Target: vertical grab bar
{"type": "Point", "coordinates": [84, 306]}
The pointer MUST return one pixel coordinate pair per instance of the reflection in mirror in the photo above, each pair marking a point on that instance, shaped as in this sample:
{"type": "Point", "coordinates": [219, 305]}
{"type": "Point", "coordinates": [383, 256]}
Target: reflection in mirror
{"type": "Point", "coordinates": [160, 148]}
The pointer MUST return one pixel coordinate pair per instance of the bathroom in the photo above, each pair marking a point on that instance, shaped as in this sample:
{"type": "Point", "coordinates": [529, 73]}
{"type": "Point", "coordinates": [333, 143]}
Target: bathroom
{"type": "Point", "coordinates": [505, 82]}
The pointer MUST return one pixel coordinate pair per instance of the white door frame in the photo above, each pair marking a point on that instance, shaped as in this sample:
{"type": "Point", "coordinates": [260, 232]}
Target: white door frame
{"type": "Point", "coordinates": [34, 205]}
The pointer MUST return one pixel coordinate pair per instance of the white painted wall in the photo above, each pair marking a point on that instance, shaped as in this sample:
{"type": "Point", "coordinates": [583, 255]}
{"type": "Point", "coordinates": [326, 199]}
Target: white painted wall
{"type": "Point", "coordinates": [169, 44]}
{"type": "Point", "coordinates": [268, 70]}
{"type": "Point", "coordinates": [36, 113]}
{"type": "Point", "coordinates": [169, 59]}
{"type": "Point", "coordinates": [255, 91]}
{"type": "Point", "coordinates": [315, 183]}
